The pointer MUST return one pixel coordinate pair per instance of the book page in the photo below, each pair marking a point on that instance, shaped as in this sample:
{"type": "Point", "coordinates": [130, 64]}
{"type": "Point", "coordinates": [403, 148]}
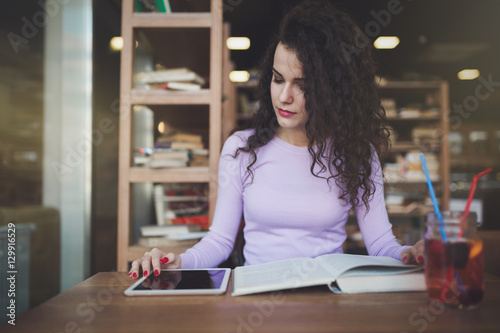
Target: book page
{"type": "Point", "coordinates": [337, 264]}
{"type": "Point", "coordinates": [285, 274]}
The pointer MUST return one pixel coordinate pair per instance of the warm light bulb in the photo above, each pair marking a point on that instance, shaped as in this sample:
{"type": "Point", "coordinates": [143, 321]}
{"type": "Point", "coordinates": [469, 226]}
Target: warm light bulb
{"type": "Point", "coordinates": [238, 43]}
{"type": "Point", "coordinates": [468, 74]}
{"type": "Point", "coordinates": [239, 76]}
{"type": "Point", "coordinates": [116, 43]}
{"type": "Point", "coordinates": [161, 127]}
{"type": "Point", "coordinates": [386, 42]}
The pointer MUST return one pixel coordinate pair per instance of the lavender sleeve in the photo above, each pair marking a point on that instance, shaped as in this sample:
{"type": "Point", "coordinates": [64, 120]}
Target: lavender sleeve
{"type": "Point", "coordinates": [374, 223]}
{"type": "Point", "coordinates": [217, 245]}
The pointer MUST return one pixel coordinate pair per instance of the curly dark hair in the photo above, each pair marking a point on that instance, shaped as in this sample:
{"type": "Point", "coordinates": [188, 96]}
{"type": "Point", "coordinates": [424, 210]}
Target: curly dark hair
{"type": "Point", "coordinates": [346, 122]}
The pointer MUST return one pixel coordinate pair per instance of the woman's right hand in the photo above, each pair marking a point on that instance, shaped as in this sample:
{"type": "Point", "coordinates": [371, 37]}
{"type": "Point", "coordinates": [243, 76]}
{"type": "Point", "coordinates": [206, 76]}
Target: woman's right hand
{"type": "Point", "coordinates": [154, 261]}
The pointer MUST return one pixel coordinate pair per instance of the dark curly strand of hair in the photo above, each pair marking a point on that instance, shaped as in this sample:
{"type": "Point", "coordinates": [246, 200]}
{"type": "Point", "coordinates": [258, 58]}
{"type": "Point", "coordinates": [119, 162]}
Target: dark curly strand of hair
{"type": "Point", "coordinates": [342, 99]}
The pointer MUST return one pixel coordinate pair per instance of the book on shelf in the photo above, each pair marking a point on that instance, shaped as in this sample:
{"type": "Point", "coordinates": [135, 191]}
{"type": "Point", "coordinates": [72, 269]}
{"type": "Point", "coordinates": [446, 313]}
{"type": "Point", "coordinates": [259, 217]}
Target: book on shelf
{"type": "Point", "coordinates": [411, 111]}
{"type": "Point", "coordinates": [184, 211]}
{"type": "Point", "coordinates": [406, 113]}
{"type": "Point", "coordinates": [161, 6]}
{"type": "Point", "coordinates": [161, 157]}
{"type": "Point", "coordinates": [430, 111]}
{"type": "Point", "coordinates": [181, 136]}
{"type": "Point", "coordinates": [342, 273]}
{"type": "Point", "coordinates": [199, 161]}
{"type": "Point", "coordinates": [167, 163]}
{"type": "Point", "coordinates": [408, 167]}
{"type": "Point", "coordinates": [200, 152]}
{"type": "Point", "coordinates": [169, 206]}
{"type": "Point", "coordinates": [173, 75]}
{"type": "Point", "coordinates": [180, 239]}
{"type": "Point", "coordinates": [181, 140]}
{"type": "Point", "coordinates": [188, 235]}
{"type": "Point", "coordinates": [165, 242]}
{"type": "Point", "coordinates": [413, 167]}
{"type": "Point", "coordinates": [142, 156]}
{"type": "Point", "coordinates": [389, 105]}
{"type": "Point", "coordinates": [181, 204]}
{"type": "Point", "coordinates": [141, 160]}
{"type": "Point", "coordinates": [185, 86]}
{"type": "Point", "coordinates": [178, 145]}
{"type": "Point", "coordinates": [201, 220]}
{"type": "Point", "coordinates": [168, 229]}
{"type": "Point", "coordinates": [170, 153]}
{"type": "Point", "coordinates": [426, 137]}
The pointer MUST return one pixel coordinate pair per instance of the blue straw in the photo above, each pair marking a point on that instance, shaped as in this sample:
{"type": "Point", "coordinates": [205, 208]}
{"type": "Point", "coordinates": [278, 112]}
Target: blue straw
{"type": "Point", "coordinates": [433, 198]}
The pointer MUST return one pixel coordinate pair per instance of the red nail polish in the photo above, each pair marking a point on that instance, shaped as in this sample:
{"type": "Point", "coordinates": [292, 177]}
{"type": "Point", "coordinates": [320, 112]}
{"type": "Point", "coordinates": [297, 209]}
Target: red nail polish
{"type": "Point", "coordinates": [420, 259]}
{"type": "Point", "coordinates": [156, 272]}
{"type": "Point", "coordinates": [130, 273]}
{"type": "Point", "coordinates": [135, 275]}
{"type": "Point", "coordinates": [405, 259]}
{"type": "Point", "coordinates": [145, 273]}
{"type": "Point", "coordinates": [164, 260]}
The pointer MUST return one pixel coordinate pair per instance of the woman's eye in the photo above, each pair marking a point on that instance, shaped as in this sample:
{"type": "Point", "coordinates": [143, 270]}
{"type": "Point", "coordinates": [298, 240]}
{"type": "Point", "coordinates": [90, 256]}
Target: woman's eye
{"type": "Point", "coordinates": [301, 87]}
{"type": "Point", "coordinates": [276, 80]}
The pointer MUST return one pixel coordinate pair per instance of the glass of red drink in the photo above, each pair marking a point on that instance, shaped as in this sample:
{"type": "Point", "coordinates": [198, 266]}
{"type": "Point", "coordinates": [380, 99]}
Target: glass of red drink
{"type": "Point", "coordinates": [454, 260]}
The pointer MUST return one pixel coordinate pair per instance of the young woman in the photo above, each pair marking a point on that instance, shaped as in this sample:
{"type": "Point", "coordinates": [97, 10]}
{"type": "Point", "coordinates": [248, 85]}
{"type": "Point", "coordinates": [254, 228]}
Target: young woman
{"type": "Point", "coordinates": [310, 158]}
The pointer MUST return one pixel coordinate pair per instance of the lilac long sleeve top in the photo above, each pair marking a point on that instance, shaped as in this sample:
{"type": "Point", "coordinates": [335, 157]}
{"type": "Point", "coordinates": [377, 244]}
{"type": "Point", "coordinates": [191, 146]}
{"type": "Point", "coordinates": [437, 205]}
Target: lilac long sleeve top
{"type": "Point", "coordinates": [288, 212]}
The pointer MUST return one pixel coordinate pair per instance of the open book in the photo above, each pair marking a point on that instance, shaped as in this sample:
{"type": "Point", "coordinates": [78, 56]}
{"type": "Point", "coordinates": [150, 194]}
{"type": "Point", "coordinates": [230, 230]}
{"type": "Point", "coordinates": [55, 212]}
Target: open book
{"type": "Point", "coordinates": [341, 272]}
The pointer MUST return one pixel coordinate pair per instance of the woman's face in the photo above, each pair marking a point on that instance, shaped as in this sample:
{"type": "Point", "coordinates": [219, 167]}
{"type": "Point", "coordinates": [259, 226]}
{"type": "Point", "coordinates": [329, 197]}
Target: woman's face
{"type": "Point", "coordinates": [287, 92]}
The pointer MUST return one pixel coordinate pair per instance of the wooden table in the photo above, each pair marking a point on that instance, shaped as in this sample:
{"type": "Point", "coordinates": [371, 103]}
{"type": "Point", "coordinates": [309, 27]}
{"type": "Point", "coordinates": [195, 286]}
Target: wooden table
{"type": "Point", "coordinates": [98, 305]}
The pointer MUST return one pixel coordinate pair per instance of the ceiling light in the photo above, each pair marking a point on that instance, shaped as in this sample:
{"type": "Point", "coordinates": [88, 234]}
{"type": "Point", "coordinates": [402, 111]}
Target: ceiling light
{"type": "Point", "coordinates": [239, 76]}
{"type": "Point", "coordinates": [116, 43]}
{"type": "Point", "coordinates": [238, 43]}
{"type": "Point", "coordinates": [468, 74]}
{"type": "Point", "coordinates": [386, 42]}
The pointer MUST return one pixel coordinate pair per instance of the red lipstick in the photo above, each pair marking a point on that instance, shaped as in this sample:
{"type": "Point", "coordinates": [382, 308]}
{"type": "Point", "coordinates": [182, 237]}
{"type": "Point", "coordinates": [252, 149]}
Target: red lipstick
{"type": "Point", "coordinates": [286, 113]}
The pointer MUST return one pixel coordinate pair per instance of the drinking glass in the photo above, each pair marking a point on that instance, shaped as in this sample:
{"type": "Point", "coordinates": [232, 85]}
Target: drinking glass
{"type": "Point", "coordinates": [454, 260]}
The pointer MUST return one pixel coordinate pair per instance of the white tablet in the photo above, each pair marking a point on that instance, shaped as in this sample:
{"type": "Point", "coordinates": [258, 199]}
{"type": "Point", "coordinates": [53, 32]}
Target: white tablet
{"type": "Point", "coordinates": [211, 281]}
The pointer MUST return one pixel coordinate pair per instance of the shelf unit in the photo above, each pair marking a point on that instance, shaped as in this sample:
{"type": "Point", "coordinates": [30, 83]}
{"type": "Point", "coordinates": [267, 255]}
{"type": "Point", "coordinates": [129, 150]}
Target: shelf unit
{"type": "Point", "coordinates": [132, 24]}
{"type": "Point", "coordinates": [428, 93]}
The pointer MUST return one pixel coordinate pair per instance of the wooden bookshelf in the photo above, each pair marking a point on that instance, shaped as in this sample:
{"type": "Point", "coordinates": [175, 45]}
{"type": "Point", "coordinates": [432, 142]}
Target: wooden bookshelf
{"type": "Point", "coordinates": [133, 25]}
{"type": "Point", "coordinates": [428, 93]}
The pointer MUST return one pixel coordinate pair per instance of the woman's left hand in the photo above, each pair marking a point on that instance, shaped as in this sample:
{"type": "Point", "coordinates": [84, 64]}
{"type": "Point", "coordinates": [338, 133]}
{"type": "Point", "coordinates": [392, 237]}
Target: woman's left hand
{"type": "Point", "coordinates": [413, 255]}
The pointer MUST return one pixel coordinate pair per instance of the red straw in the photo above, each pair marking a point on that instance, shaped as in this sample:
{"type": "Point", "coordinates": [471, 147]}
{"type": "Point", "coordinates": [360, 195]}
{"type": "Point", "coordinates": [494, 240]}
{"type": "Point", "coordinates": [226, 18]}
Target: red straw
{"type": "Point", "coordinates": [471, 195]}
